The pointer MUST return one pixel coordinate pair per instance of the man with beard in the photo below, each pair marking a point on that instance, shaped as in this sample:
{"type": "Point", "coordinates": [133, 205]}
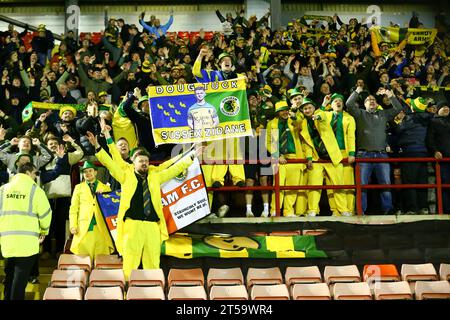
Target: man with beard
{"type": "Point", "coordinates": [141, 226]}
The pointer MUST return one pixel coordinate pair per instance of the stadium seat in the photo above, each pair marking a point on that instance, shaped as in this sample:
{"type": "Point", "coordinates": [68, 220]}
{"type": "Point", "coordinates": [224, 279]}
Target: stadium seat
{"type": "Point", "coordinates": [187, 293]}
{"type": "Point", "coordinates": [106, 261]}
{"type": "Point", "coordinates": [186, 277]}
{"type": "Point", "coordinates": [238, 292]}
{"type": "Point", "coordinates": [269, 292]}
{"type": "Point", "coordinates": [314, 232]}
{"type": "Point", "coordinates": [380, 272]}
{"type": "Point", "coordinates": [295, 275]}
{"type": "Point", "coordinates": [103, 293]}
{"type": "Point", "coordinates": [349, 273]}
{"type": "Point", "coordinates": [52, 293]}
{"type": "Point", "coordinates": [147, 278]}
{"type": "Point", "coordinates": [352, 291]}
{"type": "Point", "coordinates": [418, 272]}
{"type": "Point", "coordinates": [229, 276]}
{"type": "Point", "coordinates": [432, 290]}
{"type": "Point", "coordinates": [444, 271]}
{"type": "Point", "coordinates": [398, 290]}
{"type": "Point", "coordinates": [107, 278]}
{"type": "Point", "coordinates": [145, 293]}
{"type": "Point", "coordinates": [68, 279]}
{"type": "Point", "coordinates": [264, 276]}
{"type": "Point", "coordinates": [285, 233]}
{"type": "Point", "coordinates": [311, 291]}
{"type": "Point", "coordinates": [73, 261]}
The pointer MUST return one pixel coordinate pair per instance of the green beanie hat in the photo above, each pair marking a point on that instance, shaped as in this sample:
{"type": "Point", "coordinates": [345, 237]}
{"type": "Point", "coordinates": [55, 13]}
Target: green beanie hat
{"type": "Point", "coordinates": [88, 165]}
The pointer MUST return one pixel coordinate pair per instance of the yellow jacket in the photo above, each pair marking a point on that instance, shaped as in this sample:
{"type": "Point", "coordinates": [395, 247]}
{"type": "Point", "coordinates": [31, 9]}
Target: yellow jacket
{"type": "Point", "coordinates": [25, 214]}
{"type": "Point", "coordinates": [82, 208]}
{"type": "Point", "coordinates": [272, 137]}
{"type": "Point", "coordinates": [326, 133]}
{"type": "Point", "coordinates": [124, 128]}
{"type": "Point", "coordinates": [349, 128]}
{"type": "Point", "coordinates": [127, 178]}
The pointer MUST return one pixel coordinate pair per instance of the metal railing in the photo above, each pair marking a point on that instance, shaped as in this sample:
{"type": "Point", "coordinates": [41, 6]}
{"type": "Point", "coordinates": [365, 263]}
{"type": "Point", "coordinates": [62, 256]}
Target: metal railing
{"type": "Point", "coordinates": [277, 188]}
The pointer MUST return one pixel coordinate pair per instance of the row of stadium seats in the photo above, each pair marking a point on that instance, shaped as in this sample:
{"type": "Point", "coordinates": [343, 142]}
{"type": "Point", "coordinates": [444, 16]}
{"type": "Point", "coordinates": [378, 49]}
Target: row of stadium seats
{"type": "Point", "coordinates": [299, 291]}
{"type": "Point", "coordinates": [338, 282]}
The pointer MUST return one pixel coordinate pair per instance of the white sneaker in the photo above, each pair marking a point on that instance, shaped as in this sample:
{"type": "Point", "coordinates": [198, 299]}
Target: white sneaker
{"type": "Point", "coordinates": [249, 214]}
{"type": "Point", "coordinates": [290, 215]}
{"type": "Point", "coordinates": [265, 214]}
{"type": "Point", "coordinates": [273, 214]}
{"type": "Point", "coordinates": [347, 214]}
{"type": "Point", "coordinates": [223, 210]}
{"type": "Point", "coordinates": [212, 216]}
{"type": "Point", "coordinates": [311, 214]}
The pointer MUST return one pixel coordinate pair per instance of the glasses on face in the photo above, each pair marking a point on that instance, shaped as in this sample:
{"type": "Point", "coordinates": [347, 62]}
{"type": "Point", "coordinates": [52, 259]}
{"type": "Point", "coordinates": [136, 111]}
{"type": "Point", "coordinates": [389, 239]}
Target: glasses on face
{"type": "Point", "coordinates": [370, 99]}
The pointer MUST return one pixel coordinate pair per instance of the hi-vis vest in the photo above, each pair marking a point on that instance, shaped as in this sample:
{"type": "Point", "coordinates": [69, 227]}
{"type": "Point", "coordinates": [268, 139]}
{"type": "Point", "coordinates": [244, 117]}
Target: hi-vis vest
{"type": "Point", "coordinates": [25, 214]}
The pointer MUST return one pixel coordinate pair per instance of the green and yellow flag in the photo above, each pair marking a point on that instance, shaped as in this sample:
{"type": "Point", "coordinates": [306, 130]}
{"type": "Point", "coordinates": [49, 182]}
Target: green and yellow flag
{"type": "Point", "coordinates": [414, 36]}
{"type": "Point", "coordinates": [189, 246]}
{"type": "Point", "coordinates": [197, 112]}
{"type": "Point", "coordinates": [27, 112]}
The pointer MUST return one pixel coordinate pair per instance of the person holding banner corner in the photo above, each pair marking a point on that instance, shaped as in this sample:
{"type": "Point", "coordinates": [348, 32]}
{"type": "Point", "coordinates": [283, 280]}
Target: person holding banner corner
{"type": "Point", "coordinates": [141, 227]}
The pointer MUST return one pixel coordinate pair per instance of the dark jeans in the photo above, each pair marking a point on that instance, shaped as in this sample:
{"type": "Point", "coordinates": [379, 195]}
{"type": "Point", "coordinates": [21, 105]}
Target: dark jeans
{"type": "Point", "coordinates": [17, 271]}
{"type": "Point", "coordinates": [414, 173]}
{"type": "Point", "coordinates": [383, 174]}
{"type": "Point", "coordinates": [60, 214]}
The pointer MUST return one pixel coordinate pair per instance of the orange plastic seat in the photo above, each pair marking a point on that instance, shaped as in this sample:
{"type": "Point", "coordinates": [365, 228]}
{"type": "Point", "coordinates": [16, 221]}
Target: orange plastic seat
{"type": "Point", "coordinates": [380, 272]}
